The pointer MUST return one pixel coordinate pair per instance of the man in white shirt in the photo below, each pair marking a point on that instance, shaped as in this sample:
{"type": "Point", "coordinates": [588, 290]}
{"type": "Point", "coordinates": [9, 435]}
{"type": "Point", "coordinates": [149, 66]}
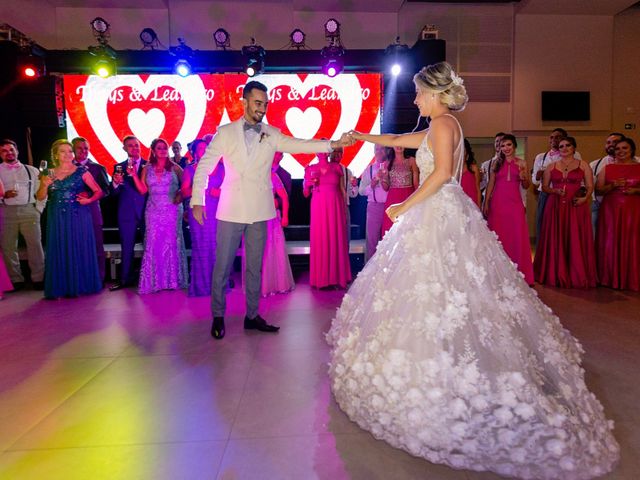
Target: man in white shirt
{"type": "Point", "coordinates": [376, 197]}
{"type": "Point", "coordinates": [542, 161]}
{"type": "Point", "coordinates": [19, 216]}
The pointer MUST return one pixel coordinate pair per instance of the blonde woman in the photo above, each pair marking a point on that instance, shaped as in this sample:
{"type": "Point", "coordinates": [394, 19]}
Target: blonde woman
{"type": "Point", "coordinates": [71, 263]}
{"type": "Point", "coordinates": [440, 347]}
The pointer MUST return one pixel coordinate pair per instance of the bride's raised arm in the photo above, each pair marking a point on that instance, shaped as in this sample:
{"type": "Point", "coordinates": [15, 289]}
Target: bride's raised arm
{"type": "Point", "coordinates": [406, 140]}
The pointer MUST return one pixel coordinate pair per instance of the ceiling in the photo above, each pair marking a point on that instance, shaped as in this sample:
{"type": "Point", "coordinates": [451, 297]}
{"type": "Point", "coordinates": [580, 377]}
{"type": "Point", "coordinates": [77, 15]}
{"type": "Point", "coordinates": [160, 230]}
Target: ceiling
{"type": "Point", "coordinates": [541, 7]}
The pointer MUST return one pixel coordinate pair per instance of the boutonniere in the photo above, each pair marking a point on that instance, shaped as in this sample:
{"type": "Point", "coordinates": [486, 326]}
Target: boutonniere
{"type": "Point", "coordinates": [262, 136]}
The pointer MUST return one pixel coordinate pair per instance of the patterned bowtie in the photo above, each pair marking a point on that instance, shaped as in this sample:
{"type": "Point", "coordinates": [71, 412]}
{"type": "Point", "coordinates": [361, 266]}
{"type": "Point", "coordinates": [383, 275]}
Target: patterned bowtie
{"type": "Point", "coordinates": [13, 165]}
{"type": "Point", "coordinates": [248, 126]}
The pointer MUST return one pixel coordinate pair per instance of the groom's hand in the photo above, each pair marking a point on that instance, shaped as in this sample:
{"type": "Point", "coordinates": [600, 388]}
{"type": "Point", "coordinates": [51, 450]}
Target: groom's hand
{"type": "Point", "coordinates": [199, 214]}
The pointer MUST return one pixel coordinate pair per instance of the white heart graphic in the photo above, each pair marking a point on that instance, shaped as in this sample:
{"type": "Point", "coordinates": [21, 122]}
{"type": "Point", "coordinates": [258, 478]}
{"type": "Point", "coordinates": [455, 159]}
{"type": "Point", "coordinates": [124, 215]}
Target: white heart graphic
{"type": "Point", "coordinates": [300, 122]}
{"type": "Point", "coordinates": [146, 125]}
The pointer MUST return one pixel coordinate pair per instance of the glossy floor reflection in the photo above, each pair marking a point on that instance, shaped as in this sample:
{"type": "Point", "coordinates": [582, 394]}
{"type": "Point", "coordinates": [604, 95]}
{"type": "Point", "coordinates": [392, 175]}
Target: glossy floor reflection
{"type": "Point", "coordinates": [118, 386]}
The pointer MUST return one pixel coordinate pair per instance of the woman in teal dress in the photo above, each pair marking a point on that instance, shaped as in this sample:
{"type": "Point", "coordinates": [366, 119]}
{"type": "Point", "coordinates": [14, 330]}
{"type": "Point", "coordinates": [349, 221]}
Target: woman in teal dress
{"type": "Point", "coordinates": [71, 264]}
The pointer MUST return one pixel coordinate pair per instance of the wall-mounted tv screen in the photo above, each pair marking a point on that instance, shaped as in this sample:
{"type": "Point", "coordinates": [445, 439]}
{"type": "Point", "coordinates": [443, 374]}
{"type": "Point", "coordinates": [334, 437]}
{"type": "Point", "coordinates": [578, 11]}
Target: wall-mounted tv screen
{"type": "Point", "coordinates": [566, 106]}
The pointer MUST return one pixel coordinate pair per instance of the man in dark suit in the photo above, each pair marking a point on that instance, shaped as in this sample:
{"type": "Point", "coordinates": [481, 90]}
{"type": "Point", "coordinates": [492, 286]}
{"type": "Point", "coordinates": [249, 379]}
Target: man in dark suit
{"type": "Point", "coordinates": [99, 173]}
{"type": "Point", "coordinates": [131, 205]}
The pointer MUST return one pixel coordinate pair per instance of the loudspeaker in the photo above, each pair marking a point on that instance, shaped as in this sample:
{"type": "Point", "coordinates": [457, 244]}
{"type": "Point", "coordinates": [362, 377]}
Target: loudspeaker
{"type": "Point", "coordinates": [41, 102]}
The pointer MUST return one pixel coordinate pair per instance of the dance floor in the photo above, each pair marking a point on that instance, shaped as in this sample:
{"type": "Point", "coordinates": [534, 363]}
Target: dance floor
{"type": "Point", "coordinates": [118, 386]}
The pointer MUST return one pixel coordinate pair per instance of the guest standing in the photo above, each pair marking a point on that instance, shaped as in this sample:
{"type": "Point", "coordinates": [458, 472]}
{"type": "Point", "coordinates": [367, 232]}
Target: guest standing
{"type": "Point", "coordinates": [71, 266]}
{"type": "Point", "coordinates": [470, 180]}
{"type": "Point", "coordinates": [284, 176]}
{"type": "Point", "coordinates": [376, 197]}
{"type": "Point", "coordinates": [401, 181]}
{"type": "Point", "coordinates": [565, 254]}
{"type": "Point", "coordinates": [203, 237]}
{"type": "Point", "coordinates": [597, 166]}
{"type": "Point", "coordinates": [329, 254]}
{"type": "Point", "coordinates": [504, 209]}
{"type": "Point", "coordinates": [164, 261]}
{"type": "Point", "coordinates": [99, 174]}
{"type": "Point", "coordinates": [130, 208]}
{"type": "Point", "coordinates": [19, 216]}
{"type": "Point", "coordinates": [276, 269]}
{"type": "Point", "coordinates": [485, 167]}
{"type": "Point", "coordinates": [618, 233]}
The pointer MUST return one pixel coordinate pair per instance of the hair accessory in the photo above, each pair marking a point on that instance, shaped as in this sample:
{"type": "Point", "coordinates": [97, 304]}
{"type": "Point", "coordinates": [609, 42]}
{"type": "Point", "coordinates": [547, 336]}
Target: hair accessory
{"type": "Point", "coordinates": [456, 79]}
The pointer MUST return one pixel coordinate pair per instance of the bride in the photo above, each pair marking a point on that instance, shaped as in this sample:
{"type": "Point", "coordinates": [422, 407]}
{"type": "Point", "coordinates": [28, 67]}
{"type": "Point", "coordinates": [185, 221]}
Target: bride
{"type": "Point", "coordinates": [440, 347]}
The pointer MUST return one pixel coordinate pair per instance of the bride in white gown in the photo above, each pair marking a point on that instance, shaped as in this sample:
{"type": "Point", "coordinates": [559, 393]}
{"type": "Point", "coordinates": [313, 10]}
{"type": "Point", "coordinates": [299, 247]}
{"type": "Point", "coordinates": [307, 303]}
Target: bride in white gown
{"type": "Point", "coordinates": [440, 348]}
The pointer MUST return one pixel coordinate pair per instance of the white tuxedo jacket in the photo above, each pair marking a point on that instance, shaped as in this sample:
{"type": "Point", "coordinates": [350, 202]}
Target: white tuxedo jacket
{"type": "Point", "coordinates": [246, 192]}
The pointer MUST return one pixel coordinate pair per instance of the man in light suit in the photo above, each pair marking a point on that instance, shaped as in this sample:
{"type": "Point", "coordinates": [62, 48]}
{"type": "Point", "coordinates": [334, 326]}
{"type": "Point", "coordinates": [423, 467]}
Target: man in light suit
{"type": "Point", "coordinates": [246, 198]}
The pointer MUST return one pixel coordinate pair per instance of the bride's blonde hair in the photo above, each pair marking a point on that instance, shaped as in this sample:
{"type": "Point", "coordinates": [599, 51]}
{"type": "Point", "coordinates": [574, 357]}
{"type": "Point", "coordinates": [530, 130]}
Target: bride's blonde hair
{"type": "Point", "coordinates": [442, 79]}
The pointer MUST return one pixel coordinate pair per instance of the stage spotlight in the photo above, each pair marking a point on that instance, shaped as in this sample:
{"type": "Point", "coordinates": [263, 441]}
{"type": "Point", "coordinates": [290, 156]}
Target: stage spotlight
{"type": "Point", "coordinates": [255, 58]}
{"type": "Point", "coordinates": [396, 54]}
{"type": "Point", "coordinates": [332, 54]}
{"type": "Point", "coordinates": [31, 66]}
{"type": "Point", "coordinates": [101, 30]}
{"type": "Point", "coordinates": [332, 29]}
{"type": "Point", "coordinates": [182, 68]}
{"type": "Point", "coordinates": [297, 39]}
{"type": "Point", "coordinates": [332, 68]}
{"type": "Point", "coordinates": [104, 67]}
{"type": "Point", "coordinates": [149, 38]}
{"type": "Point", "coordinates": [184, 53]}
{"type": "Point", "coordinates": [222, 38]}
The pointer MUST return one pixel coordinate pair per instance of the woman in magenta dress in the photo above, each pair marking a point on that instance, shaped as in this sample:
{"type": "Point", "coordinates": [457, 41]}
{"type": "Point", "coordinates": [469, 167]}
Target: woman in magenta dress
{"type": "Point", "coordinates": [400, 181]}
{"type": "Point", "coordinates": [203, 237]}
{"type": "Point", "coordinates": [618, 231]}
{"type": "Point", "coordinates": [565, 255]}
{"type": "Point", "coordinates": [470, 180]}
{"type": "Point", "coordinates": [276, 269]}
{"type": "Point", "coordinates": [504, 209]}
{"type": "Point", "coordinates": [329, 250]}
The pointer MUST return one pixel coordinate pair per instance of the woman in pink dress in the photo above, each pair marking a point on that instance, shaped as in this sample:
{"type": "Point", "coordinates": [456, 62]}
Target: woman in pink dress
{"type": "Point", "coordinates": [276, 269]}
{"type": "Point", "coordinates": [503, 206]}
{"type": "Point", "coordinates": [5, 281]}
{"type": "Point", "coordinates": [329, 250]}
{"type": "Point", "coordinates": [565, 255]}
{"type": "Point", "coordinates": [470, 180]}
{"type": "Point", "coordinates": [401, 180]}
{"type": "Point", "coordinates": [618, 231]}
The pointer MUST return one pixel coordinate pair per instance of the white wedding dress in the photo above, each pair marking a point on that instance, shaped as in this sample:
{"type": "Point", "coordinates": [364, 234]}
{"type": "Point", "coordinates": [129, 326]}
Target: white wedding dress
{"type": "Point", "coordinates": [440, 348]}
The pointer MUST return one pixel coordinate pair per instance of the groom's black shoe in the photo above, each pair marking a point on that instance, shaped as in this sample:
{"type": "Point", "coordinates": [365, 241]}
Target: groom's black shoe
{"type": "Point", "coordinates": [217, 328]}
{"type": "Point", "coordinates": [259, 324]}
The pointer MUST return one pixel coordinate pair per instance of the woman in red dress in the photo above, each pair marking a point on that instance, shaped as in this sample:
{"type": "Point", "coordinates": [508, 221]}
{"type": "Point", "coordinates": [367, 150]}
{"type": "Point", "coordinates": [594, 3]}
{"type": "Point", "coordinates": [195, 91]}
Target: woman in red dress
{"type": "Point", "coordinates": [470, 180]}
{"type": "Point", "coordinates": [618, 231]}
{"type": "Point", "coordinates": [565, 255]}
{"type": "Point", "coordinates": [329, 249]}
{"type": "Point", "coordinates": [504, 209]}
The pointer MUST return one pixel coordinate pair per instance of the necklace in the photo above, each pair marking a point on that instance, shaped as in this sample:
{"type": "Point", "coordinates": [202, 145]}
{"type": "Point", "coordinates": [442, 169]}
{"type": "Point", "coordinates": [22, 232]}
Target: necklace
{"type": "Point", "coordinates": [566, 165]}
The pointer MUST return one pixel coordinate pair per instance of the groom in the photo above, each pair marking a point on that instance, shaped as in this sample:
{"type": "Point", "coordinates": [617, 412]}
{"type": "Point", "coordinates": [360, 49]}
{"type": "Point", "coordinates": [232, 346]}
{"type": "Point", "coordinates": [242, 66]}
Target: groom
{"type": "Point", "coordinates": [246, 199]}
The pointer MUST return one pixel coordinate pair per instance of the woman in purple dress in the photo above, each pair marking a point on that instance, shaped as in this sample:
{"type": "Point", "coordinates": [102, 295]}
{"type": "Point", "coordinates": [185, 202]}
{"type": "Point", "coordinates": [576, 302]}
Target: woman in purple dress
{"type": "Point", "coordinates": [203, 237]}
{"type": "Point", "coordinates": [164, 261]}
